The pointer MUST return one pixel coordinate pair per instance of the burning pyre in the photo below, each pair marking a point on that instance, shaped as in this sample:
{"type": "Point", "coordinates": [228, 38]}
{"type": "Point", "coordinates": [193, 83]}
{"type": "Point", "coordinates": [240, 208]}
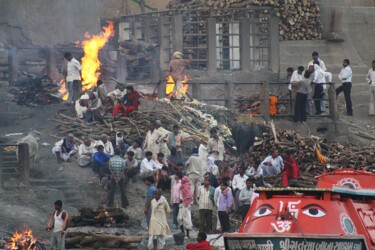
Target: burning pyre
{"type": "Point", "coordinates": [24, 241]}
{"type": "Point", "coordinates": [90, 61]}
{"type": "Point", "coordinates": [170, 86]}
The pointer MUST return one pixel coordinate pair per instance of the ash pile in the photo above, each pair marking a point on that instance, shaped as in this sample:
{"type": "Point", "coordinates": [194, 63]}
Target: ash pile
{"type": "Point", "coordinates": [33, 90]}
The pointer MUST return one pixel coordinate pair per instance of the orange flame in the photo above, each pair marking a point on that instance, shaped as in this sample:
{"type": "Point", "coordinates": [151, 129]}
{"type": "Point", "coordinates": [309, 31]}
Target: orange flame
{"type": "Point", "coordinates": [90, 61]}
{"type": "Point", "coordinates": [63, 90]}
{"type": "Point", "coordinates": [170, 85]}
{"type": "Point", "coordinates": [22, 239]}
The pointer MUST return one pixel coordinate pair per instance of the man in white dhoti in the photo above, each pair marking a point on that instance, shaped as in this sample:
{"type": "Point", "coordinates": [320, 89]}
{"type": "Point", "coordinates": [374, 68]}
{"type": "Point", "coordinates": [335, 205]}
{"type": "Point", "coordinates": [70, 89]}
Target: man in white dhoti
{"type": "Point", "coordinates": [163, 141]}
{"type": "Point", "coordinates": [184, 213]}
{"type": "Point", "coordinates": [65, 148]}
{"type": "Point", "coordinates": [85, 151]}
{"type": "Point", "coordinates": [152, 141]}
{"type": "Point", "coordinates": [158, 223]}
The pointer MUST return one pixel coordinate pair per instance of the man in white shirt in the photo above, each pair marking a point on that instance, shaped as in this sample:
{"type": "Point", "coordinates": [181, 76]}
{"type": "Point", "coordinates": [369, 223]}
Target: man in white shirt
{"type": "Point", "coordinates": [273, 164]}
{"type": "Point", "coordinates": [297, 76]}
{"type": "Point", "coordinates": [345, 77]}
{"type": "Point", "coordinates": [148, 166]}
{"type": "Point", "coordinates": [194, 172]}
{"type": "Point", "coordinates": [108, 147]}
{"type": "Point", "coordinates": [135, 147]}
{"type": "Point", "coordinates": [319, 82]}
{"type": "Point", "coordinates": [73, 78]}
{"type": "Point", "coordinates": [85, 152]}
{"type": "Point", "coordinates": [238, 183]}
{"type": "Point", "coordinates": [152, 141]}
{"type": "Point", "coordinates": [371, 81]}
{"type": "Point", "coordinates": [316, 58]}
{"type": "Point", "coordinates": [205, 198]}
{"type": "Point", "coordinates": [215, 146]}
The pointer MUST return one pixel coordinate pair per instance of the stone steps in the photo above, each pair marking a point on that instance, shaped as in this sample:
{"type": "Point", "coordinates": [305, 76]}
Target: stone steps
{"type": "Point", "coordinates": [67, 187]}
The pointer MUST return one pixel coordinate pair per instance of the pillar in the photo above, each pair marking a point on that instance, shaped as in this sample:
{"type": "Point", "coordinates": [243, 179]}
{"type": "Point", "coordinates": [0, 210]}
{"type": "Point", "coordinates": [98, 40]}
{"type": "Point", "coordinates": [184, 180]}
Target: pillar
{"type": "Point", "coordinates": [121, 68]}
{"type": "Point", "coordinates": [24, 162]}
{"type": "Point", "coordinates": [245, 44]}
{"type": "Point", "coordinates": [274, 64]}
{"type": "Point", "coordinates": [177, 37]}
{"type": "Point", "coordinates": [332, 102]}
{"type": "Point", "coordinates": [230, 93]}
{"type": "Point", "coordinates": [211, 44]}
{"type": "Point", "coordinates": [265, 103]}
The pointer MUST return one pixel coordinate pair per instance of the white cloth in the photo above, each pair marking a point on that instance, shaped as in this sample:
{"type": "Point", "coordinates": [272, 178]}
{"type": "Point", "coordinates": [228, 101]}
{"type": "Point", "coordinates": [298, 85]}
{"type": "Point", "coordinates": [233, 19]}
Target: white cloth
{"type": "Point", "coordinates": [158, 221]}
{"type": "Point", "coordinates": [346, 74]}
{"type": "Point", "coordinates": [203, 153]}
{"type": "Point", "coordinates": [216, 199]}
{"type": "Point", "coordinates": [321, 63]}
{"type": "Point", "coordinates": [152, 142]}
{"type": "Point", "coordinates": [108, 147]}
{"type": "Point", "coordinates": [194, 165]}
{"type": "Point", "coordinates": [295, 78]}
{"type": "Point", "coordinates": [147, 165]}
{"type": "Point", "coordinates": [372, 100]}
{"type": "Point", "coordinates": [184, 217]}
{"type": "Point", "coordinates": [83, 149]}
{"type": "Point", "coordinates": [319, 74]}
{"type": "Point", "coordinates": [277, 164]}
{"type": "Point", "coordinates": [371, 77]}
{"type": "Point", "coordinates": [160, 241]}
{"type": "Point", "coordinates": [73, 69]}
{"type": "Point", "coordinates": [64, 156]}
{"type": "Point", "coordinates": [80, 110]}
{"type": "Point", "coordinates": [212, 167]}
{"type": "Point", "coordinates": [137, 152]}
{"type": "Point", "coordinates": [163, 145]}
{"type": "Point", "coordinates": [216, 145]}
{"type": "Point", "coordinates": [58, 221]}
{"type": "Point", "coordinates": [239, 182]}
{"type": "Point", "coordinates": [250, 171]}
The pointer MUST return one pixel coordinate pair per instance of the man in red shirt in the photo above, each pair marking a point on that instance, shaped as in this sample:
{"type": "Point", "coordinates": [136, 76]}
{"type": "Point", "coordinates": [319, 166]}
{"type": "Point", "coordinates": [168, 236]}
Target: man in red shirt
{"type": "Point", "coordinates": [129, 103]}
{"type": "Point", "coordinates": [290, 172]}
{"type": "Point", "coordinates": [202, 244]}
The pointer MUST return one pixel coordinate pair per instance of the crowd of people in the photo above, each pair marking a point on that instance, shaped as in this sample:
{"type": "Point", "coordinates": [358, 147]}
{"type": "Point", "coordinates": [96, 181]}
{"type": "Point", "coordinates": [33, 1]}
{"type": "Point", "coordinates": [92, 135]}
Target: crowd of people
{"type": "Point", "coordinates": [203, 180]}
{"type": "Point", "coordinates": [308, 86]}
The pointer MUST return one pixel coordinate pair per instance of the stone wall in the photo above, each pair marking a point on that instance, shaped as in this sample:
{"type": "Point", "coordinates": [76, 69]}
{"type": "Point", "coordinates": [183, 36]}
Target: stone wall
{"type": "Point", "coordinates": [52, 22]}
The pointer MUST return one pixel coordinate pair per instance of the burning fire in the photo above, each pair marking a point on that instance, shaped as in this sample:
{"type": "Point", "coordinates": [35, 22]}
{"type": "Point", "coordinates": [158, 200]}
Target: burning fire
{"type": "Point", "coordinates": [170, 85]}
{"type": "Point", "coordinates": [63, 90]}
{"type": "Point", "coordinates": [22, 240]}
{"type": "Point", "coordinates": [90, 61]}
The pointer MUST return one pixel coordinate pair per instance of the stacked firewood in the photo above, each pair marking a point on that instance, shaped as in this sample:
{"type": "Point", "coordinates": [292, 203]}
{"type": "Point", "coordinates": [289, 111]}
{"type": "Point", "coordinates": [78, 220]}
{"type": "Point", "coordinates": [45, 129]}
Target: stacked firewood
{"type": "Point", "coordinates": [98, 228]}
{"type": "Point", "coordinates": [313, 155]}
{"type": "Point", "coordinates": [299, 19]}
{"type": "Point", "coordinates": [34, 91]}
{"type": "Point", "coordinates": [188, 117]}
{"type": "Point", "coordinates": [139, 58]}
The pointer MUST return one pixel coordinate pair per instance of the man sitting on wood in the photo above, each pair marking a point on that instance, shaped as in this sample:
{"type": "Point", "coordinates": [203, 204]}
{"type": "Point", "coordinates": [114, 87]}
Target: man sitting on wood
{"type": "Point", "coordinates": [129, 103]}
{"type": "Point", "coordinates": [65, 148]}
{"type": "Point", "coordinates": [272, 165]}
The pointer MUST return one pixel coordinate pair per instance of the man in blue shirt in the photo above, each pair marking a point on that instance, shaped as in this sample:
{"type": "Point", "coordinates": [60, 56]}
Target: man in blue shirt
{"type": "Point", "coordinates": [149, 182]}
{"type": "Point", "coordinates": [100, 161]}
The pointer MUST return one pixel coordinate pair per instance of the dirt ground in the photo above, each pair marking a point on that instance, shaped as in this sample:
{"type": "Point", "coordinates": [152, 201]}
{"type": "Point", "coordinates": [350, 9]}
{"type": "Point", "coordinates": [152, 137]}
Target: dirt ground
{"type": "Point", "coordinates": [30, 206]}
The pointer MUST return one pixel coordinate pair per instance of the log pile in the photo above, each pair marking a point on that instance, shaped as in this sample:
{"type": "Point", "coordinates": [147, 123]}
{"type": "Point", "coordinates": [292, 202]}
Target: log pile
{"type": "Point", "coordinates": [334, 154]}
{"type": "Point", "coordinates": [34, 91]}
{"type": "Point", "coordinates": [187, 116]}
{"type": "Point", "coordinates": [299, 19]}
{"type": "Point", "coordinates": [96, 238]}
{"type": "Point", "coordinates": [139, 59]}
{"type": "Point", "coordinates": [100, 228]}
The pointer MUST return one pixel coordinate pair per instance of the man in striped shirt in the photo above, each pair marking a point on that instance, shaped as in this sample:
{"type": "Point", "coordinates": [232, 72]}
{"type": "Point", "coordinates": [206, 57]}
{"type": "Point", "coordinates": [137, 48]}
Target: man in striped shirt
{"type": "Point", "coordinates": [118, 171]}
{"type": "Point", "coordinates": [205, 198]}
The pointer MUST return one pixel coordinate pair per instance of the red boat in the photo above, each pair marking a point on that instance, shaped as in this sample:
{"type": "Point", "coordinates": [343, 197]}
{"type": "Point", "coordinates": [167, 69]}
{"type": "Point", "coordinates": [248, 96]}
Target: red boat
{"type": "Point", "coordinates": [338, 214]}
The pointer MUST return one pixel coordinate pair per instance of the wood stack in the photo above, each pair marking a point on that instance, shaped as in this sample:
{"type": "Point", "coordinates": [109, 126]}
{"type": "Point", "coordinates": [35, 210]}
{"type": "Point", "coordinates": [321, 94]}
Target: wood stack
{"type": "Point", "coordinates": [137, 124]}
{"type": "Point", "coordinates": [139, 59]}
{"type": "Point", "coordinates": [299, 19]}
{"type": "Point", "coordinates": [310, 165]}
{"type": "Point", "coordinates": [98, 228]}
